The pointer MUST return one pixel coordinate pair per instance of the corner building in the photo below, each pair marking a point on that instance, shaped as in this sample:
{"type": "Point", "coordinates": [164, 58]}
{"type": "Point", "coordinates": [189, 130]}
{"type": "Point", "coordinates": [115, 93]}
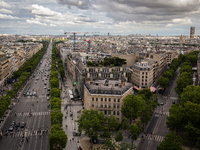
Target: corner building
{"type": "Point", "coordinates": [106, 96]}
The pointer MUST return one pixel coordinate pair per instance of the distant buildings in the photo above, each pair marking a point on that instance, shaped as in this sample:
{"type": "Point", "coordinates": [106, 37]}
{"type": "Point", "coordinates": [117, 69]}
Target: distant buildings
{"type": "Point", "coordinates": [192, 32]}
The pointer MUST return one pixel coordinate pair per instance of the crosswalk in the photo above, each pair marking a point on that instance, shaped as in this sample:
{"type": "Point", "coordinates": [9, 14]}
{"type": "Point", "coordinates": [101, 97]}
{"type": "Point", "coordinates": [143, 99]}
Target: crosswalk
{"type": "Point", "coordinates": [27, 133]}
{"type": "Point", "coordinates": [157, 114]}
{"type": "Point", "coordinates": [33, 113]}
{"type": "Point", "coordinates": [154, 137]}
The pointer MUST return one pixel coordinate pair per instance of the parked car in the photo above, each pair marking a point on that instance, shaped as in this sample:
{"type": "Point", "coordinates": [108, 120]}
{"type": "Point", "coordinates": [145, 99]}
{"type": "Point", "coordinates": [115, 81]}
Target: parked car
{"type": "Point", "coordinates": [47, 98]}
{"type": "Point", "coordinates": [173, 102]}
{"type": "Point", "coordinates": [17, 124]}
{"type": "Point", "coordinates": [161, 103]}
{"type": "Point", "coordinates": [12, 126]}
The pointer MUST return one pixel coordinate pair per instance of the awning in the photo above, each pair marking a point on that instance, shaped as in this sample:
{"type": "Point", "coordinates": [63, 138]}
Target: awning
{"type": "Point", "coordinates": [152, 89]}
{"type": "Point", "coordinates": [135, 87]}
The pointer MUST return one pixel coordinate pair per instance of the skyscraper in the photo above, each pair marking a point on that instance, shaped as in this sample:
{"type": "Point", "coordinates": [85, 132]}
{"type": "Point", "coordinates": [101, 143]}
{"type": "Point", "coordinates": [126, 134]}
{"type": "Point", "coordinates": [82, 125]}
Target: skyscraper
{"type": "Point", "coordinates": [192, 32]}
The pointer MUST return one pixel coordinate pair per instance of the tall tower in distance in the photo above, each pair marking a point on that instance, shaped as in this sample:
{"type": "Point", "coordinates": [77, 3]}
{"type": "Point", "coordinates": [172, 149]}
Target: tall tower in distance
{"type": "Point", "coordinates": [192, 32]}
{"type": "Point", "coordinates": [181, 41]}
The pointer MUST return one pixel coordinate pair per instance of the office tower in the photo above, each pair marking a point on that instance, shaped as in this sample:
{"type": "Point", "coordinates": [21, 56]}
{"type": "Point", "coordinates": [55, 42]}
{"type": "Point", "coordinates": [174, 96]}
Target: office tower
{"type": "Point", "coordinates": [192, 32]}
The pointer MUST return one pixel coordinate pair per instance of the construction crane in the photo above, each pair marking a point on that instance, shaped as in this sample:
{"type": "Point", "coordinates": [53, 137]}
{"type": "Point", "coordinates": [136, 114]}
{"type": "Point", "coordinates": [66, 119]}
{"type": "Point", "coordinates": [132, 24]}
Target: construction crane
{"type": "Point", "coordinates": [89, 41]}
{"type": "Point", "coordinates": [74, 33]}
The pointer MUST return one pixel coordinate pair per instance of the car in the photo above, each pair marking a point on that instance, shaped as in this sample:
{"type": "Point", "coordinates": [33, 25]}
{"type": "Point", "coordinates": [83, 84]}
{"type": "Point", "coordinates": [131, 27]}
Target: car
{"type": "Point", "coordinates": [45, 87]}
{"type": "Point", "coordinates": [30, 94]}
{"type": "Point", "coordinates": [47, 98]}
{"type": "Point", "coordinates": [22, 125]}
{"type": "Point", "coordinates": [45, 83]}
{"type": "Point", "coordinates": [48, 89]}
{"type": "Point", "coordinates": [34, 93]}
{"type": "Point", "coordinates": [17, 124]}
{"type": "Point", "coordinates": [173, 102]}
{"type": "Point", "coordinates": [11, 128]}
{"type": "Point", "coordinates": [13, 123]}
{"type": "Point", "coordinates": [27, 94]}
{"type": "Point", "coordinates": [161, 103]}
{"type": "Point", "coordinates": [35, 82]}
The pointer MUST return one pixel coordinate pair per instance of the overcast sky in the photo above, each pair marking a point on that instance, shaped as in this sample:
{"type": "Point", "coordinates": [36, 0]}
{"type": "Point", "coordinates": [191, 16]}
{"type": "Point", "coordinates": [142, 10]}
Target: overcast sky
{"type": "Point", "coordinates": [162, 17]}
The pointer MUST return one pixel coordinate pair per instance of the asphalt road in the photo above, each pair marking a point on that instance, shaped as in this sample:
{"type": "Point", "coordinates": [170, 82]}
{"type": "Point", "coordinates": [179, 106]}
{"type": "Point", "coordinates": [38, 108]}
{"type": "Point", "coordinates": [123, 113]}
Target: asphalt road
{"type": "Point", "coordinates": [157, 128]}
{"type": "Point", "coordinates": [40, 118]}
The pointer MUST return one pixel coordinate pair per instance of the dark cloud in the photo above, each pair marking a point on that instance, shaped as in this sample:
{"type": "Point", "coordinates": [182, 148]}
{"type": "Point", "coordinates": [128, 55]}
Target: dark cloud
{"type": "Point", "coordinates": [139, 10]}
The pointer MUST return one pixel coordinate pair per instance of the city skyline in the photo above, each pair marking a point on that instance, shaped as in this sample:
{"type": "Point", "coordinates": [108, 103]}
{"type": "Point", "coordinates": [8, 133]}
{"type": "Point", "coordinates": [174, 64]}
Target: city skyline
{"type": "Point", "coordinates": [118, 17]}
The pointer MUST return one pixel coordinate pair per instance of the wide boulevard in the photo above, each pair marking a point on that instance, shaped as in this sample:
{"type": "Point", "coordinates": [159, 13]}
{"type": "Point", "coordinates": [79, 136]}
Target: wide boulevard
{"type": "Point", "coordinates": [33, 110]}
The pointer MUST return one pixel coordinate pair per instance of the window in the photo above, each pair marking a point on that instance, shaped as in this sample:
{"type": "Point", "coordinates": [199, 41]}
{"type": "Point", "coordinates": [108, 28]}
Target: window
{"type": "Point", "coordinates": [105, 99]}
{"type": "Point", "coordinates": [114, 106]}
{"type": "Point", "coordinates": [114, 99]}
{"type": "Point", "coordinates": [101, 105]}
{"type": "Point", "coordinates": [118, 106]}
{"type": "Point", "coordinates": [113, 112]}
{"type": "Point", "coordinates": [105, 112]}
{"type": "Point", "coordinates": [142, 76]}
{"type": "Point", "coordinates": [142, 80]}
{"type": "Point", "coordinates": [146, 76]}
{"type": "Point", "coordinates": [142, 73]}
{"type": "Point", "coordinates": [101, 99]}
{"type": "Point", "coordinates": [146, 73]}
{"type": "Point", "coordinates": [142, 83]}
{"type": "Point", "coordinates": [109, 99]}
{"type": "Point", "coordinates": [105, 105]}
{"type": "Point", "coordinates": [109, 112]}
{"type": "Point", "coordinates": [96, 105]}
{"type": "Point", "coordinates": [145, 80]}
{"type": "Point", "coordinates": [92, 105]}
{"type": "Point", "coordinates": [93, 99]}
{"type": "Point", "coordinates": [96, 99]}
{"type": "Point", "coordinates": [118, 100]}
{"type": "Point", "coordinates": [118, 113]}
{"type": "Point", "coordinates": [109, 106]}
{"type": "Point", "coordinates": [145, 83]}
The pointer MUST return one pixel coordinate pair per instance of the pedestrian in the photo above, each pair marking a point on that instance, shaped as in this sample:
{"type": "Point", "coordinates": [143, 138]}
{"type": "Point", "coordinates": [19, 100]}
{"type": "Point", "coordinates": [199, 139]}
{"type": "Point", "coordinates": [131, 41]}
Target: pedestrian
{"type": "Point", "coordinates": [70, 140]}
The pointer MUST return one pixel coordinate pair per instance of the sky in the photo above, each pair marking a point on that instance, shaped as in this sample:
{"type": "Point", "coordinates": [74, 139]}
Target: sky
{"type": "Point", "coordinates": [118, 17]}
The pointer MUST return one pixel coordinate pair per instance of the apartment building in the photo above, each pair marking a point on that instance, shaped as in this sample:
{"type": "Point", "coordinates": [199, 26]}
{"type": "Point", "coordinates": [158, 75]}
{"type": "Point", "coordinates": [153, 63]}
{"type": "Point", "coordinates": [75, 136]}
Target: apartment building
{"type": "Point", "coordinates": [170, 56]}
{"type": "Point", "coordinates": [106, 96]}
{"type": "Point", "coordinates": [143, 75]}
{"type": "Point", "coordinates": [198, 69]}
{"type": "Point", "coordinates": [6, 68]}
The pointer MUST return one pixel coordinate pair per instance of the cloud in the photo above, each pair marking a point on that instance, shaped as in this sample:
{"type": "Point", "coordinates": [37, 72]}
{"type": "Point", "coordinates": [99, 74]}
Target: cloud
{"type": "Point", "coordinates": [34, 21]}
{"type": "Point", "coordinates": [52, 25]}
{"type": "Point", "coordinates": [140, 11]}
{"type": "Point", "coordinates": [3, 16]}
{"type": "Point", "coordinates": [82, 4]}
{"type": "Point", "coordinates": [4, 4]}
{"type": "Point", "coordinates": [6, 11]}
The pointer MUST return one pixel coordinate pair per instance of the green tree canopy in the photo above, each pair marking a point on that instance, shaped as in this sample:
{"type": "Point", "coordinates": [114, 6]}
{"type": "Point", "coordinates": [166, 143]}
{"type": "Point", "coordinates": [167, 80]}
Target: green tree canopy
{"type": "Point", "coordinates": [183, 81]}
{"type": "Point", "coordinates": [167, 74]}
{"type": "Point", "coordinates": [171, 142]}
{"type": "Point", "coordinates": [146, 92]}
{"type": "Point", "coordinates": [132, 106]}
{"type": "Point", "coordinates": [135, 131]}
{"type": "Point", "coordinates": [191, 93]}
{"type": "Point", "coordinates": [10, 93]}
{"type": "Point", "coordinates": [57, 138]}
{"type": "Point", "coordinates": [54, 83]}
{"type": "Point", "coordinates": [91, 121]}
{"type": "Point", "coordinates": [55, 92]}
{"type": "Point", "coordinates": [187, 69]}
{"type": "Point", "coordinates": [164, 82]}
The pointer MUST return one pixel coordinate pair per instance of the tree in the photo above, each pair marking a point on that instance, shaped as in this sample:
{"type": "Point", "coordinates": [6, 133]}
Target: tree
{"type": "Point", "coordinates": [57, 138]}
{"type": "Point", "coordinates": [55, 93]}
{"type": "Point", "coordinates": [132, 106]}
{"type": "Point", "coordinates": [10, 93]}
{"type": "Point", "coordinates": [54, 74]}
{"type": "Point", "coordinates": [119, 137]}
{"type": "Point", "coordinates": [55, 103]}
{"type": "Point", "coordinates": [113, 123]}
{"type": "Point", "coordinates": [54, 83]}
{"type": "Point", "coordinates": [135, 131]}
{"type": "Point", "coordinates": [164, 82]}
{"type": "Point", "coordinates": [183, 81]}
{"type": "Point", "coordinates": [186, 69]}
{"type": "Point", "coordinates": [91, 121]}
{"type": "Point", "coordinates": [146, 92]}
{"type": "Point", "coordinates": [192, 133]}
{"type": "Point", "coordinates": [171, 142]}
{"type": "Point", "coordinates": [56, 117]}
{"type": "Point", "coordinates": [190, 93]}
{"type": "Point", "coordinates": [167, 74]}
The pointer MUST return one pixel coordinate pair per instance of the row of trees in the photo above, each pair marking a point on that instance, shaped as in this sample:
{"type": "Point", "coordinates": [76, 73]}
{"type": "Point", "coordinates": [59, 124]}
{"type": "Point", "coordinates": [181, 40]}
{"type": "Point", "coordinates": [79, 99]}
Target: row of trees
{"type": "Point", "coordinates": [30, 65]}
{"type": "Point", "coordinates": [186, 71]}
{"type": "Point", "coordinates": [23, 73]}
{"type": "Point", "coordinates": [93, 123]}
{"type": "Point", "coordinates": [184, 116]}
{"type": "Point", "coordinates": [57, 137]}
{"type": "Point", "coordinates": [165, 79]}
